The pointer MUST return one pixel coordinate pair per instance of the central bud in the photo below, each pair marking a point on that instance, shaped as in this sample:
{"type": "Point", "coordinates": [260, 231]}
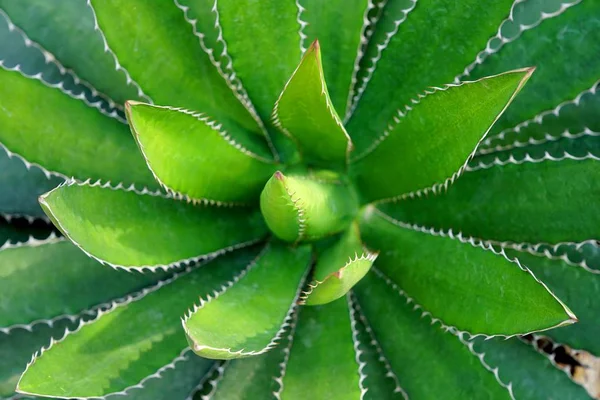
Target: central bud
{"type": "Point", "coordinates": [308, 205]}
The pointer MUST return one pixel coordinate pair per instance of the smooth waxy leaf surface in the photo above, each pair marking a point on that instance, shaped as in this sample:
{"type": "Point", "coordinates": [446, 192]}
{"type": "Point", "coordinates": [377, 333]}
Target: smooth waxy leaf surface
{"type": "Point", "coordinates": [429, 141]}
{"type": "Point", "coordinates": [339, 268]}
{"type": "Point", "coordinates": [71, 30]}
{"type": "Point", "coordinates": [247, 318]}
{"type": "Point", "coordinates": [323, 347]}
{"type": "Point", "coordinates": [190, 154]}
{"type": "Point", "coordinates": [423, 356]}
{"type": "Point", "coordinates": [447, 275]}
{"type": "Point", "coordinates": [575, 33]}
{"type": "Point", "coordinates": [160, 43]}
{"type": "Point", "coordinates": [306, 207]}
{"type": "Point", "coordinates": [531, 202]}
{"type": "Point", "coordinates": [25, 184]}
{"type": "Point", "coordinates": [425, 43]}
{"type": "Point", "coordinates": [305, 113]}
{"type": "Point", "coordinates": [66, 136]}
{"type": "Point", "coordinates": [519, 364]}
{"type": "Point", "coordinates": [339, 25]}
{"type": "Point", "coordinates": [124, 228]}
{"type": "Point", "coordinates": [43, 280]}
{"type": "Point", "coordinates": [134, 338]}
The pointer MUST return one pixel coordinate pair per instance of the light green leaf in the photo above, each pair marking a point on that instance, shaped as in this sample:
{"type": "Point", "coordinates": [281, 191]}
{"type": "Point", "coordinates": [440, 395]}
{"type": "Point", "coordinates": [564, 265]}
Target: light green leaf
{"type": "Point", "coordinates": [26, 183]}
{"type": "Point", "coordinates": [436, 136]}
{"type": "Point", "coordinates": [576, 286]}
{"type": "Point", "coordinates": [519, 364]}
{"type": "Point", "coordinates": [129, 342]}
{"type": "Point", "coordinates": [64, 135]}
{"type": "Point", "coordinates": [423, 356]}
{"type": "Point", "coordinates": [71, 31]}
{"type": "Point", "coordinates": [186, 152]}
{"type": "Point", "coordinates": [305, 113]}
{"type": "Point", "coordinates": [43, 280]}
{"type": "Point", "coordinates": [127, 229]}
{"type": "Point", "coordinates": [268, 288]}
{"type": "Point", "coordinates": [425, 44]}
{"type": "Point", "coordinates": [338, 269]}
{"type": "Point", "coordinates": [449, 274]}
{"type": "Point", "coordinates": [323, 348]}
{"type": "Point", "coordinates": [546, 201]}
{"type": "Point", "coordinates": [307, 207]}
{"type": "Point", "coordinates": [561, 74]}
{"type": "Point", "coordinates": [160, 43]}
{"type": "Point", "coordinates": [340, 28]}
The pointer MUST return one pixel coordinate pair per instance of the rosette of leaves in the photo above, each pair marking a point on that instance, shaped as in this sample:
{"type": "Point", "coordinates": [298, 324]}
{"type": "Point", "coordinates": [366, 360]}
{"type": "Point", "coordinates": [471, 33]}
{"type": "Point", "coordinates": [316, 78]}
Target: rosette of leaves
{"type": "Point", "coordinates": [290, 218]}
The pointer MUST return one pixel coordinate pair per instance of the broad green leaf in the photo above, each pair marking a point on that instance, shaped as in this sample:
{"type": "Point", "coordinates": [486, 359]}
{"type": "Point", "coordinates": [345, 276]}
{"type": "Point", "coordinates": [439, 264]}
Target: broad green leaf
{"type": "Point", "coordinates": [307, 207]}
{"type": "Point", "coordinates": [579, 288]}
{"type": "Point", "coordinates": [72, 30]}
{"type": "Point", "coordinates": [305, 113]}
{"type": "Point", "coordinates": [219, 328]}
{"type": "Point", "coordinates": [42, 280]}
{"type": "Point", "coordinates": [340, 28]}
{"type": "Point", "coordinates": [20, 186]}
{"type": "Point", "coordinates": [565, 51]}
{"type": "Point", "coordinates": [190, 154]}
{"type": "Point", "coordinates": [18, 229]}
{"type": "Point", "coordinates": [428, 43]}
{"type": "Point", "coordinates": [135, 230]}
{"type": "Point", "coordinates": [322, 362]}
{"type": "Point", "coordinates": [135, 338]}
{"type": "Point", "coordinates": [519, 364]}
{"type": "Point", "coordinates": [435, 136]}
{"type": "Point", "coordinates": [547, 201]}
{"type": "Point", "coordinates": [177, 381]}
{"type": "Point", "coordinates": [447, 275]}
{"type": "Point", "coordinates": [160, 43]}
{"type": "Point", "coordinates": [66, 136]}
{"type": "Point", "coordinates": [338, 268]}
{"type": "Point", "coordinates": [429, 361]}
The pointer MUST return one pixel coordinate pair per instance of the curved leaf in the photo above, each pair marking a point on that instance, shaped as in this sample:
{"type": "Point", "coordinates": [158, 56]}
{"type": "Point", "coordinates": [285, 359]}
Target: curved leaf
{"type": "Point", "coordinates": [448, 275]}
{"type": "Point", "coordinates": [127, 229]}
{"type": "Point", "coordinates": [184, 150]}
{"type": "Point", "coordinates": [305, 113]}
{"type": "Point", "coordinates": [436, 135]}
{"type": "Point", "coordinates": [249, 315]}
{"type": "Point", "coordinates": [135, 337]}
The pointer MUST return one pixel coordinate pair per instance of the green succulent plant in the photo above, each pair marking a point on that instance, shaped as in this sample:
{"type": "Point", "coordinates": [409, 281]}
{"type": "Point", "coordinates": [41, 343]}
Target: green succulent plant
{"type": "Point", "coordinates": [364, 215]}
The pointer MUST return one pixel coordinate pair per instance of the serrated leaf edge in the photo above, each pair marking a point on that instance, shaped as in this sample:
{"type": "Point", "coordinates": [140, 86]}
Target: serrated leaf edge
{"type": "Point", "coordinates": [356, 344]}
{"type": "Point", "coordinates": [142, 268]}
{"type": "Point", "coordinates": [497, 162]}
{"type": "Point", "coordinates": [302, 24]}
{"type": "Point", "coordinates": [286, 351]}
{"type": "Point", "coordinates": [218, 371]}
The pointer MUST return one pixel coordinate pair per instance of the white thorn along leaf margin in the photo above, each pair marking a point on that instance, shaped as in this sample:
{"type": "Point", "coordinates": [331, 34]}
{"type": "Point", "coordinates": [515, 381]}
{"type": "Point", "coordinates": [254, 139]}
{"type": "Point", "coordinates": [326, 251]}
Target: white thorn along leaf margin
{"type": "Point", "coordinates": [539, 118]}
{"type": "Point", "coordinates": [366, 255]}
{"type": "Point", "coordinates": [30, 219]}
{"type": "Point", "coordinates": [502, 40]}
{"type": "Point", "coordinates": [366, 32]}
{"type": "Point", "coordinates": [302, 24]}
{"type": "Point", "coordinates": [356, 344]}
{"type": "Point", "coordinates": [29, 165]}
{"type": "Point", "coordinates": [586, 374]}
{"type": "Point", "coordinates": [215, 126]}
{"type": "Point", "coordinates": [118, 67]}
{"type": "Point", "coordinates": [49, 58]}
{"type": "Point", "coordinates": [531, 141]}
{"type": "Point", "coordinates": [142, 268]}
{"type": "Point", "coordinates": [402, 112]}
{"type": "Point", "coordinates": [286, 323]}
{"type": "Point", "coordinates": [110, 307]}
{"type": "Point", "coordinates": [389, 372]}
{"type": "Point", "coordinates": [497, 162]}
{"type": "Point", "coordinates": [449, 329]}
{"type": "Point", "coordinates": [362, 86]}
{"type": "Point", "coordinates": [213, 377]}
{"type": "Point", "coordinates": [234, 83]}
{"type": "Point", "coordinates": [286, 355]}
{"type": "Point", "coordinates": [482, 244]}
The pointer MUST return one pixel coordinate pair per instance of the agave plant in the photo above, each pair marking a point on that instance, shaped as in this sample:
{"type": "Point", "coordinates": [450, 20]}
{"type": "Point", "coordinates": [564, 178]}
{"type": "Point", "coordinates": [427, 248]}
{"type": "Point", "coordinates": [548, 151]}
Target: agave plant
{"type": "Point", "coordinates": [319, 199]}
